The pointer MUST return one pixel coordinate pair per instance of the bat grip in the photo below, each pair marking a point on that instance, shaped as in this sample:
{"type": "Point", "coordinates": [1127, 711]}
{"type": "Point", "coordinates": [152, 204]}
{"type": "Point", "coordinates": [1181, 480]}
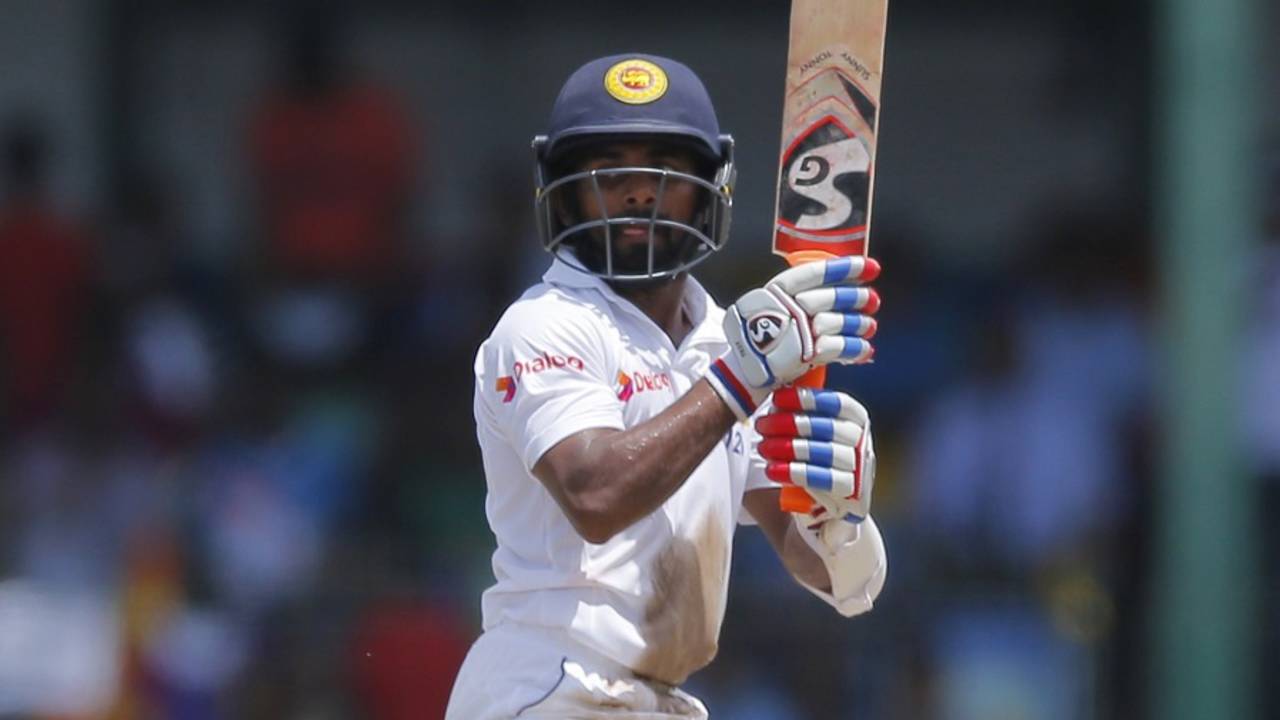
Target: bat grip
{"type": "Point", "coordinates": [796, 499]}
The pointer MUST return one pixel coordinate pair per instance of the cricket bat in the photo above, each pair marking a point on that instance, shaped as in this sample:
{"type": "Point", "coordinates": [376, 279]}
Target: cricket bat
{"type": "Point", "coordinates": [829, 122]}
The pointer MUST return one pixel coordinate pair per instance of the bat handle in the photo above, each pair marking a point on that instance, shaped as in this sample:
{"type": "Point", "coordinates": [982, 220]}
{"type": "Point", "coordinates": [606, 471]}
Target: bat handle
{"type": "Point", "coordinates": [796, 499]}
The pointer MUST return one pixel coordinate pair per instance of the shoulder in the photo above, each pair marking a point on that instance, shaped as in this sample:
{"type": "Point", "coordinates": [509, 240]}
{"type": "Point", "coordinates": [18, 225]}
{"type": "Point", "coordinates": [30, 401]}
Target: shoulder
{"type": "Point", "coordinates": [547, 312]}
{"type": "Point", "coordinates": [550, 327]}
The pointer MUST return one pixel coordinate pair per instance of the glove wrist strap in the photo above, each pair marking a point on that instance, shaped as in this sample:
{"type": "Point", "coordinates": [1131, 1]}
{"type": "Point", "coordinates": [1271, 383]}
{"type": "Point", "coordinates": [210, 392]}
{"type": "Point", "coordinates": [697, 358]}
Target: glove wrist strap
{"type": "Point", "coordinates": [728, 384]}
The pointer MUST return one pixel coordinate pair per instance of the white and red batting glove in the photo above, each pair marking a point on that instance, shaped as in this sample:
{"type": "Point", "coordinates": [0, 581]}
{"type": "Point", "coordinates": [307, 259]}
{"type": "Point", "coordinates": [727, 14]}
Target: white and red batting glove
{"type": "Point", "coordinates": [820, 440]}
{"type": "Point", "coordinates": [809, 315]}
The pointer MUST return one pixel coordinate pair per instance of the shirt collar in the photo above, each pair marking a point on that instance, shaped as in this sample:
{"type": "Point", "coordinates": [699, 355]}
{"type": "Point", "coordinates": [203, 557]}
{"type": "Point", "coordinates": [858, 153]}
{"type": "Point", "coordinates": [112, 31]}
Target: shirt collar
{"type": "Point", "coordinates": [703, 312]}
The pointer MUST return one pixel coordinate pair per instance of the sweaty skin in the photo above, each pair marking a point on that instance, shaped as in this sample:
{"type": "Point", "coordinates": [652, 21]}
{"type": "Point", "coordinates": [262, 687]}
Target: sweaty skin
{"type": "Point", "coordinates": [605, 480]}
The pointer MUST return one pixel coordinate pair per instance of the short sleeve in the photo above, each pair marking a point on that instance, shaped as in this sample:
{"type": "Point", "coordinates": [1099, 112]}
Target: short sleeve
{"type": "Point", "coordinates": [545, 374]}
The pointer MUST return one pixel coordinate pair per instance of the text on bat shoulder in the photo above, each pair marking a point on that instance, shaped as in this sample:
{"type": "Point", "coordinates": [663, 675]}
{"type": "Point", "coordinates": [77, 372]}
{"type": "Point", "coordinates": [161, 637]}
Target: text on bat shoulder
{"type": "Point", "coordinates": [815, 61]}
{"type": "Point", "coordinates": [858, 67]}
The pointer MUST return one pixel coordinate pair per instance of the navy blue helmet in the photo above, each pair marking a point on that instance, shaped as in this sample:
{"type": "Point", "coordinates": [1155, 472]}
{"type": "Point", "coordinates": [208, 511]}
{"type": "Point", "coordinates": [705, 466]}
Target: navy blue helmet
{"type": "Point", "coordinates": [629, 98]}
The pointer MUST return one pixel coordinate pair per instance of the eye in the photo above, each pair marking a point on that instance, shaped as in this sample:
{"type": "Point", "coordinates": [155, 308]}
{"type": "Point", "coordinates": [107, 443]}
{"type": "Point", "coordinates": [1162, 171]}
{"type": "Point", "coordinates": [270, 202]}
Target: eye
{"type": "Point", "coordinates": [678, 163]}
{"type": "Point", "coordinates": [609, 180]}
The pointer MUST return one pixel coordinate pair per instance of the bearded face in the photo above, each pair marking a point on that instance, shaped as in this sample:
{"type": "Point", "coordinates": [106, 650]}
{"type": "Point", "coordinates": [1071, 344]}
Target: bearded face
{"type": "Point", "coordinates": [632, 210]}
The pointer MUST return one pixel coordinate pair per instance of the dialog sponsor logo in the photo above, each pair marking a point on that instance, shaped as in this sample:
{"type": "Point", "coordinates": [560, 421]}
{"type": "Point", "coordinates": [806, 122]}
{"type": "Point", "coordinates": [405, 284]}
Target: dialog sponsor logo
{"type": "Point", "coordinates": [508, 384]}
{"type": "Point", "coordinates": [640, 382]}
{"type": "Point", "coordinates": [625, 388]}
{"type": "Point", "coordinates": [547, 361]}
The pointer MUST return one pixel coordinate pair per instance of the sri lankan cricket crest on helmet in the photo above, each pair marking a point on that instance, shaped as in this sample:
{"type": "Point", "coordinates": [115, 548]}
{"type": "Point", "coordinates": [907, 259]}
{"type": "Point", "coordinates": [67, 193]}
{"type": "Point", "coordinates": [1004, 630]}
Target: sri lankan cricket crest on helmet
{"type": "Point", "coordinates": [635, 81]}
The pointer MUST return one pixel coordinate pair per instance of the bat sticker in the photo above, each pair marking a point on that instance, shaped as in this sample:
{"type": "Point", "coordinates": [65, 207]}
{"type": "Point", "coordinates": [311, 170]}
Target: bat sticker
{"type": "Point", "coordinates": [824, 195]}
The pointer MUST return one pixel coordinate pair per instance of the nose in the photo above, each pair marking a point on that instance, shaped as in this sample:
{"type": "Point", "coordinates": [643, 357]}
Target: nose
{"type": "Point", "coordinates": [641, 190]}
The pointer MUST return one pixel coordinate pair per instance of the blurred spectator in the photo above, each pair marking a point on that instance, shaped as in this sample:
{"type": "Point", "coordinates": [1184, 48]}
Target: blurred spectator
{"type": "Point", "coordinates": [332, 155]}
{"type": "Point", "coordinates": [161, 317]}
{"type": "Point", "coordinates": [1022, 473]}
{"type": "Point", "coordinates": [405, 659]}
{"type": "Point", "coordinates": [44, 281]}
{"type": "Point", "coordinates": [1027, 457]}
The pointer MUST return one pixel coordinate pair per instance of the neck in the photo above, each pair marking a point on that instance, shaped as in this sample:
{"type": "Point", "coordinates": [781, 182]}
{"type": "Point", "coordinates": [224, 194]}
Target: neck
{"type": "Point", "coordinates": [662, 301]}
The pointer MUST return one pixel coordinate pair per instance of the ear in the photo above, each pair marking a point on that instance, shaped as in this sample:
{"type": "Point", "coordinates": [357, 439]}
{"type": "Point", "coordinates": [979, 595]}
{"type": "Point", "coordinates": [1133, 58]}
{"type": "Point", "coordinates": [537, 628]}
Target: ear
{"type": "Point", "coordinates": [560, 206]}
{"type": "Point", "coordinates": [566, 203]}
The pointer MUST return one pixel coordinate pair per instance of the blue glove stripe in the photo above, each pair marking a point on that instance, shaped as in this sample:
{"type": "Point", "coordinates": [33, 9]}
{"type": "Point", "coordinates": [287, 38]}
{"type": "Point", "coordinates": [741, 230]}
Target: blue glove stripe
{"type": "Point", "coordinates": [817, 478]}
{"type": "Point", "coordinates": [821, 453]}
{"type": "Point", "coordinates": [837, 271]}
{"type": "Point", "coordinates": [853, 347]}
{"type": "Point", "coordinates": [847, 298]}
{"type": "Point", "coordinates": [822, 429]}
{"type": "Point", "coordinates": [852, 325]}
{"type": "Point", "coordinates": [826, 403]}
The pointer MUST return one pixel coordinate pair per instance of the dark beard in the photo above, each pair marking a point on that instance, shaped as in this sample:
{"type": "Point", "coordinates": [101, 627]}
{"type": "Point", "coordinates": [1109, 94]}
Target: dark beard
{"type": "Point", "coordinates": [671, 248]}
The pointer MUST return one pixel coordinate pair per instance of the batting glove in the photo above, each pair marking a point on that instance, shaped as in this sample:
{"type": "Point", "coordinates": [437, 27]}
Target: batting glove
{"type": "Point", "coordinates": [820, 440]}
{"type": "Point", "coordinates": [812, 314]}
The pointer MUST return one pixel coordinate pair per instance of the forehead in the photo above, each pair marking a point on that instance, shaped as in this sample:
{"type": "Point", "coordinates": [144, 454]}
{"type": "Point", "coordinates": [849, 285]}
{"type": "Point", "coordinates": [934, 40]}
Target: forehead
{"type": "Point", "coordinates": [637, 150]}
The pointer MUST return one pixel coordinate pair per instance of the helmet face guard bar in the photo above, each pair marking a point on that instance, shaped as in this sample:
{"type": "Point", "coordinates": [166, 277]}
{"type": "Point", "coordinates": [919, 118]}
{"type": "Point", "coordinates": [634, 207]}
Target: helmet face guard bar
{"type": "Point", "coordinates": [692, 241]}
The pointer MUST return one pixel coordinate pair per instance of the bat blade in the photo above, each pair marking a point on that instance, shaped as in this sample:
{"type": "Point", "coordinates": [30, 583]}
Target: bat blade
{"type": "Point", "coordinates": [826, 166]}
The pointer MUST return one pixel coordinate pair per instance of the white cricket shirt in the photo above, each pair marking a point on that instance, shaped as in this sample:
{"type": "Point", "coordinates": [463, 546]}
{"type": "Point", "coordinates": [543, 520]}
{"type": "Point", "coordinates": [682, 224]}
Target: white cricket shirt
{"type": "Point", "coordinates": [570, 355]}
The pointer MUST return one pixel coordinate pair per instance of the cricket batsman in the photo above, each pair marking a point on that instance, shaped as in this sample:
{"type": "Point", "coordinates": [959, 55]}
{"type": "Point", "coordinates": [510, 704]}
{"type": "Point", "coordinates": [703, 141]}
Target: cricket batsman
{"type": "Point", "coordinates": [628, 424]}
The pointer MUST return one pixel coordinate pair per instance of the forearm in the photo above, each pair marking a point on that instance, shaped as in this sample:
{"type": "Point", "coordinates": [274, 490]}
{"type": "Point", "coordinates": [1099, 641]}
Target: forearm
{"type": "Point", "coordinates": [803, 563]}
{"type": "Point", "coordinates": [619, 477]}
{"type": "Point", "coordinates": [797, 557]}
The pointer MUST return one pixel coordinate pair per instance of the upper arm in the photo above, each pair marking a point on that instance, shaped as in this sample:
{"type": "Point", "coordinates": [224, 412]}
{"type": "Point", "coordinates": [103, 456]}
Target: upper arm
{"type": "Point", "coordinates": [544, 375]}
{"type": "Point", "coordinates": [560, 468]}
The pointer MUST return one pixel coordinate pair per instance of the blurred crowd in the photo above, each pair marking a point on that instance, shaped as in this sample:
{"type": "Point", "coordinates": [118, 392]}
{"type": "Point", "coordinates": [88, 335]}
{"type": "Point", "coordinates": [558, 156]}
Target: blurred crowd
{"type": "Point", "coordinates": [251, 489]}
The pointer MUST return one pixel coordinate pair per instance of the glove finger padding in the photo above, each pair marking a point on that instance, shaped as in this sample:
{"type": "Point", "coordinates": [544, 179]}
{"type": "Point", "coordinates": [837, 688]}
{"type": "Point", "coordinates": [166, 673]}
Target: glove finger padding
{"type": "Point", "coordinates": [862, 299]}
{"type": "Point", "coordinates": [815, 452]}
{"type": "Point", "coordinates": [836, 271]}
{"type": "Point", "coordinates": [820, 440]}
{"type": "Point", "coordinates": [824, 403]}
{"type": "Point", "coordinates": [773, 339]}
{"type": "Point", "coordinates": [842, 349]}
{"type": "Point", "coordinates": [839, 483]}
{"type": "Point", "coordinates": [830, 323]}
{"type": "Point", "coordinates": [827, 429]}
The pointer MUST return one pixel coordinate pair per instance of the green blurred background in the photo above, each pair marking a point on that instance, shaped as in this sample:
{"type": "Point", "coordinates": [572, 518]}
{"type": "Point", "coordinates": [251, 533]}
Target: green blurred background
{"type": "Point", "coordinates": [248, 249]}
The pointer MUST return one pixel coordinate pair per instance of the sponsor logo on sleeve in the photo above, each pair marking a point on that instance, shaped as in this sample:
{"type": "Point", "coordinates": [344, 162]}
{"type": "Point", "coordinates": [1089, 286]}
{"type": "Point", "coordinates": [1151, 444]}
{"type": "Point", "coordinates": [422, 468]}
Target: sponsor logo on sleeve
{"type": "Point", "coordinates": [507, 384]}
{"type": "Point", "coordinates": [639, 381]}
{"type": "Point", "coordinates": [625, 388]}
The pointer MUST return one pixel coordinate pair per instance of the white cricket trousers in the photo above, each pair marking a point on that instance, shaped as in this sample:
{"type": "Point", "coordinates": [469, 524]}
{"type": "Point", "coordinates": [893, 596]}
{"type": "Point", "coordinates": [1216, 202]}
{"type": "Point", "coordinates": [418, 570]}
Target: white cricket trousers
{"type": "Point", "coordinates": [522, 671]}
